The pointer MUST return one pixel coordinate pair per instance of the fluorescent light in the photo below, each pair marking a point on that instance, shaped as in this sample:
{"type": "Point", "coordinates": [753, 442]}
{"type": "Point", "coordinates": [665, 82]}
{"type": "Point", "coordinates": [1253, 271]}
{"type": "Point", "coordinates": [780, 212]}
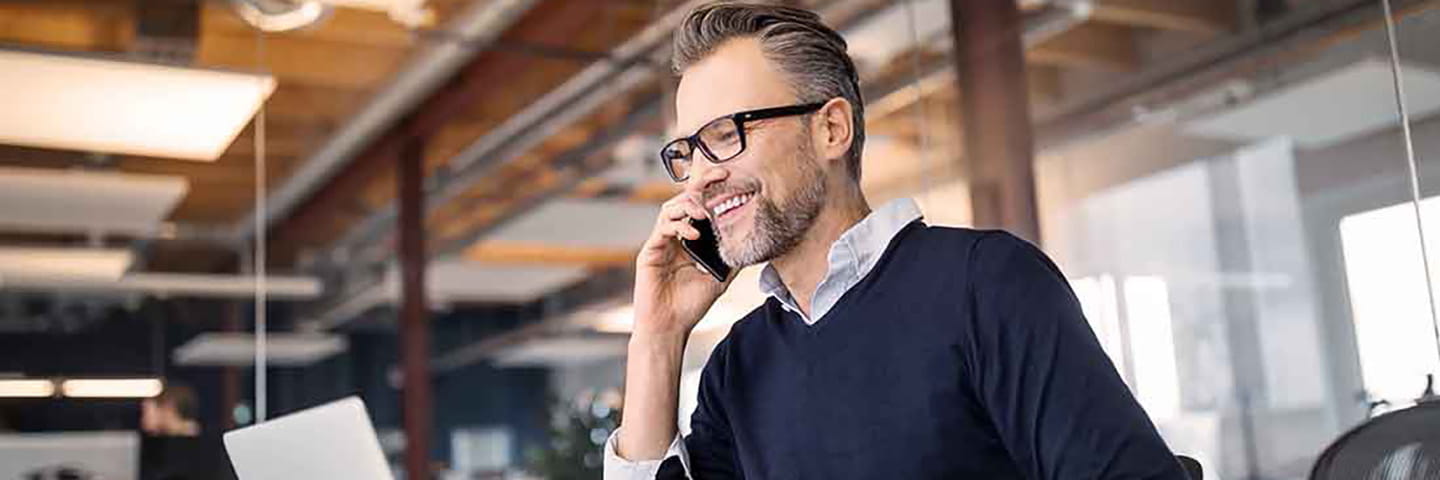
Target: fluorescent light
{"type": "Point", "coordinates": [20, 263]}
{"type": "Point", "coordinates": [176, 285]}
{"type": "Point", "coordinates": [26, 388]}
{"type": "Point", "coordinates": [112, 388]}
{"type": "Point", "coordinates": [114, 106]}
{"type": "Point", "coordinates": [301, 15]}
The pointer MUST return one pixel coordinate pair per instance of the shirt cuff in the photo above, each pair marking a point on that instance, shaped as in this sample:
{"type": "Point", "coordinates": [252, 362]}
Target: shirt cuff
{"type": "Point", "coordinates": [618, 468]}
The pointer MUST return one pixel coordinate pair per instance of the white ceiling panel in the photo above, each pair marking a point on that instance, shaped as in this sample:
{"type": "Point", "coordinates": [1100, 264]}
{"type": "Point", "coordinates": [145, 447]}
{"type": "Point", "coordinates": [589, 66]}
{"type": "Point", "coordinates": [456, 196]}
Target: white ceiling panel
{"type": "Point", "coordinates": [35, 199]}
{"type": "Point", "coordinates": [582, 223]}
{"type": "Point", "coordinates": [458, 281]}
{"type": "Point", "coordinates": [1341, 105]}
{"type": "Point", "coordinates": [91, 104]}
{"type": "Point", "coordinates": [282, 349]}
{"type": "Point", "coordinates": [467, 281]}
{"type": "Point", "coordinates": [563, 351]}
{"type": "Point", "coordinates": [19, 264]}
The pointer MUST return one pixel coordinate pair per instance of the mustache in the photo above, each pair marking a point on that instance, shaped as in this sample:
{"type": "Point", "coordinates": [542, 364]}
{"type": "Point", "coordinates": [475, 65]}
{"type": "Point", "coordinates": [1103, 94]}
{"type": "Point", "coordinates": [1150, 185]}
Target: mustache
{"type": "Point", "coordinates": [720, 189]}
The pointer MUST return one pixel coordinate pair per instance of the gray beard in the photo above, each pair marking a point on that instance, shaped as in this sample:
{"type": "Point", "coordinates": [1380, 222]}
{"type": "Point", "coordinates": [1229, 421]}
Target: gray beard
{"type": "Point", "coordinates": [779, 228]}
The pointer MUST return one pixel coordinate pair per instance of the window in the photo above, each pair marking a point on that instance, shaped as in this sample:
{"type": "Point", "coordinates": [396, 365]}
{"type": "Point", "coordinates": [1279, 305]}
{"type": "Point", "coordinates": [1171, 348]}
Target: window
{"type": "Point", "coordinates": [1393, 330]}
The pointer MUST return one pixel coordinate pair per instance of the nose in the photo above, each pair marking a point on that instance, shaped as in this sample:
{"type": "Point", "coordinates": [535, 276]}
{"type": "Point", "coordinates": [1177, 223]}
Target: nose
{"type": "Point", "coordinates": [703, 173]}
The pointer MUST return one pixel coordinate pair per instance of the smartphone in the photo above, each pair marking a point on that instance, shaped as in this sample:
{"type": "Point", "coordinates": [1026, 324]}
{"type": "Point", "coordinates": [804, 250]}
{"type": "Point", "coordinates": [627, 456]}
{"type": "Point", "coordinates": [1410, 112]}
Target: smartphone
{"type": "Point", "coordinates": [706, 250]}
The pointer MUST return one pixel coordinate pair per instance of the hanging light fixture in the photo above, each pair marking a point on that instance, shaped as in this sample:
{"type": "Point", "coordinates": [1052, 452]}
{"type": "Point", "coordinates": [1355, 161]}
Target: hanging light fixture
{"type": "Point", "coordinates": [280, 15]}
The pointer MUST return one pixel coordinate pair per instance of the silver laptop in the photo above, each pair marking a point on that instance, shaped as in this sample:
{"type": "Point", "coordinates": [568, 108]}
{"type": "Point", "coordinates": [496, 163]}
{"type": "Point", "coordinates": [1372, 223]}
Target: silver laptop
{"type": "Point", "coordinates": [335, 440]}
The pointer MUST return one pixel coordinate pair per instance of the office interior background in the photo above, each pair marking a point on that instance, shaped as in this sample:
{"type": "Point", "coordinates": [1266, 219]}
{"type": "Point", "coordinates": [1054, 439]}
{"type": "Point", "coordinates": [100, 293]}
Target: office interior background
{"type": "Point", "coordinates": [454, 191]}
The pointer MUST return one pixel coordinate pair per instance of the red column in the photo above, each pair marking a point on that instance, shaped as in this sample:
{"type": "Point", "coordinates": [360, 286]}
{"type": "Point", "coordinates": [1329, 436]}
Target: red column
{"type": "Point", "coordinates": [414, 315]}
{"type": "Point", "coordinates": [995, 114]}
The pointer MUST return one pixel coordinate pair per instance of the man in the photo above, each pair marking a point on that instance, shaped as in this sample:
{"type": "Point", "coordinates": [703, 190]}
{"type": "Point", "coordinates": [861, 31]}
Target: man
{"type": "Point", "coordinates": [887, 349]}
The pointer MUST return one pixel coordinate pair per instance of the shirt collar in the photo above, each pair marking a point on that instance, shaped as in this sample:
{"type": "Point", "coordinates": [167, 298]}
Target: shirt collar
{"type": "Point", "coordinates": [851, 258]}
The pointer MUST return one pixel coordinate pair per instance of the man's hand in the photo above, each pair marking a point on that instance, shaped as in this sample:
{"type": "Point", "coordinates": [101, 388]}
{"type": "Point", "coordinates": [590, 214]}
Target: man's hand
{"type": "Point", "coordinates": [672, 294]}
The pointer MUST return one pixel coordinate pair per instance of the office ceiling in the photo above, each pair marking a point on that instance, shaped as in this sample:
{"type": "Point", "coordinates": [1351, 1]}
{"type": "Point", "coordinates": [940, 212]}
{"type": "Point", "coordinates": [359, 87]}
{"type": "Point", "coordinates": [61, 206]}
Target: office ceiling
{"type": "Point", "coordinates": [538, 171]}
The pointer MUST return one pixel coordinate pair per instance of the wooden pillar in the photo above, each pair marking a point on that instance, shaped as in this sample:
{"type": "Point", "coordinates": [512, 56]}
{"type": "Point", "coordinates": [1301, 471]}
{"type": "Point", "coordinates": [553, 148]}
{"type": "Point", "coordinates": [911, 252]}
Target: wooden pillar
{"type": "Point", "coordinates": [414, 314]}
{"type": "Point", "coordinates": [995, 113]}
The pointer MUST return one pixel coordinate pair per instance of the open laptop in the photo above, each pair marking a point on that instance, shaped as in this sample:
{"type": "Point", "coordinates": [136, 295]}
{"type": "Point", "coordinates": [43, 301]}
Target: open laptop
{"type": "Point", "coordinates": [335, 440]}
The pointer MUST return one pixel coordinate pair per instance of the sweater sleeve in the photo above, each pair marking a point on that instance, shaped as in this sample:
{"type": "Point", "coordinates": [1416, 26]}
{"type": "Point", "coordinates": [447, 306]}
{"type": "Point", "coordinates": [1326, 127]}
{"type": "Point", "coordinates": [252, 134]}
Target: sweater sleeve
{"type": "Point", "coordinates": [711, 445]}
{"type": "Point", "coordinates": [708, 453]}
{"type": "Point", "coordinates": [1056, 401]}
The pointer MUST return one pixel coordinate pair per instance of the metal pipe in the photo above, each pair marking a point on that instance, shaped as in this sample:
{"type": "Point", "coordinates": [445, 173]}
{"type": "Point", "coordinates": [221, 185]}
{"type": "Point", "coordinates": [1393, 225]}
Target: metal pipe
{"type": "Point", "coordinates": [572, 100]}
{"type": "Point", "coordinates": [482, 24]}
{"type": "Point", "coordinates": [579, 96]}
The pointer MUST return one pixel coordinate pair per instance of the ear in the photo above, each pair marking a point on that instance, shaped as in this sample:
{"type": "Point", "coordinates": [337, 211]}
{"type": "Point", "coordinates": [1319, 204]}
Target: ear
{"type": "Point", "coordinates": [834, 129]}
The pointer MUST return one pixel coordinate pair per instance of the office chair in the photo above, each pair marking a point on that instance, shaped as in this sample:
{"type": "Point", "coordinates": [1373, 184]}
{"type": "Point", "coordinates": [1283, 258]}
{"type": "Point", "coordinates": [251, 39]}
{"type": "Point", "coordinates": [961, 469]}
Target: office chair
{"type": "Point", "coordinates": [1400, 445]}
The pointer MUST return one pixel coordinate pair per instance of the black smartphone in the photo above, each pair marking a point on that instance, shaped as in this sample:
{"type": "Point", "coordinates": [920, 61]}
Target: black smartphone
{"type": "Point", "coordinates": [706, 250]}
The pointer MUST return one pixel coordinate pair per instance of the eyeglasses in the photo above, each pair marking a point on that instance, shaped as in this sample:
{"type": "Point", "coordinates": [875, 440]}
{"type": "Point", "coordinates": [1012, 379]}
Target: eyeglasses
{"type": "Point", "coordinates": [722, 139]}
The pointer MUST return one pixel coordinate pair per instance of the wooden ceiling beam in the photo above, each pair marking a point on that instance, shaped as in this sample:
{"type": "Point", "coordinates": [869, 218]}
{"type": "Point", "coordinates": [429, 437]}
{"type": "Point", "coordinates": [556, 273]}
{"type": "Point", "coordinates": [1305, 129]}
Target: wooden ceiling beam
{"type": "Point", "coordinates": [332, 208]}
{"type": "Point", "coordinates": [308, 62]}
{"type": "Point", "coordinates": [1044, 82]}
{"type": "Point", "coordinates": [1091, 45]}
{"type": "Point", "coordinates": [69, 25]}
{"type": "Point", "coordinates": [299, 101]}
{"type": "Point", "coordinates": [1196, 16]}
{"type": "Point", "coordinates": [346, 26]}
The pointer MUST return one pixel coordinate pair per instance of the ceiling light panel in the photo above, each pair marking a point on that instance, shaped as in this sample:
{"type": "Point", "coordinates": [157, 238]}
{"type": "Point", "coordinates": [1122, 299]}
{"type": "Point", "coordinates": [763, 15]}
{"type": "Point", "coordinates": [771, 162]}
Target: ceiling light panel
{"type": "Point", "coordinates": [44, 200]}
{"type": "Point", "coordinates": [19, 264]}
{"type": "Point", "coordinates": [89, 104]}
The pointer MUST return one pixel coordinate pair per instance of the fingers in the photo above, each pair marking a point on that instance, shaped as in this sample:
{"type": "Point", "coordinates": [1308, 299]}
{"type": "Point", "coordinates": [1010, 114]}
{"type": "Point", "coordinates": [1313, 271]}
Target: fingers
{"type": "Point", "coordinates": [681, 207]}
{"type": "Point", "coordinates": [674, 218]}
{"type": "Point", "coordinates": [677, 228]}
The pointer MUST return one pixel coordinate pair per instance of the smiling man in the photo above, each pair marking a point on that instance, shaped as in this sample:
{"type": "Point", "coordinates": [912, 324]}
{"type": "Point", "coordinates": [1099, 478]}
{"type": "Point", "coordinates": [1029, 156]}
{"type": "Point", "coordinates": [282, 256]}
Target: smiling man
{"type": "Point", "coordinates": [887, 348]}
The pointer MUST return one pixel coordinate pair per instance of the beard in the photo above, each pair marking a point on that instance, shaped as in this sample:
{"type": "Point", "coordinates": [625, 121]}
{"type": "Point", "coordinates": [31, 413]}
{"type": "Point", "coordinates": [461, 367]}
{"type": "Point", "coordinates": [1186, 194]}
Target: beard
{"type": "Point", "coordinates": [779, 228]}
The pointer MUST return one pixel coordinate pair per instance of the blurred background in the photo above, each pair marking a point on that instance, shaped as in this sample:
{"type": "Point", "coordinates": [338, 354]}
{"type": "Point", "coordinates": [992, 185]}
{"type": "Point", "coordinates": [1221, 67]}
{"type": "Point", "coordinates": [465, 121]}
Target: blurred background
{"type": "Point", "coordinates": [451, 194]}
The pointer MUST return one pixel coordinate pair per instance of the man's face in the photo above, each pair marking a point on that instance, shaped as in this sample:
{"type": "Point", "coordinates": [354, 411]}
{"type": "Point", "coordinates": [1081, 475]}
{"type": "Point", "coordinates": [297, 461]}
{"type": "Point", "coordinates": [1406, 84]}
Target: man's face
{"type": "Point", "coordinates": [777, 180]}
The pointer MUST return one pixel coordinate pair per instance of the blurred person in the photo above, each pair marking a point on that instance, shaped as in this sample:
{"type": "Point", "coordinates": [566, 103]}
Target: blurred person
{"type": "Point", "coordinates": [887, 348]}
{"type": "Point", "coordinates": [173, 446]}
{"type": "Point", "coordinates": [170, 414]}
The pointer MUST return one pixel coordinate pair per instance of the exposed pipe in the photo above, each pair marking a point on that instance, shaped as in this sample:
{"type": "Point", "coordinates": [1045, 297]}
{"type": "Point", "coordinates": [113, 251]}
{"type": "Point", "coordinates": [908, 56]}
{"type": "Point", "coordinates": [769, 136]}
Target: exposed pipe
{"type": "Point", "coordinates": [579, 96]}
{"type": "Point", "coordinates": [482, 23]}
{"type": "Point", "coordinates": [358, 299]}
{"type": "Point", "coordinates": [572, 100]}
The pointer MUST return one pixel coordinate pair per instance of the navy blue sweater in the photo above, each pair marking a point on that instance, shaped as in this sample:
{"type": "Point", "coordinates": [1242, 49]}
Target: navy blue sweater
{"type": "Point", "coordinates": [963, 354]}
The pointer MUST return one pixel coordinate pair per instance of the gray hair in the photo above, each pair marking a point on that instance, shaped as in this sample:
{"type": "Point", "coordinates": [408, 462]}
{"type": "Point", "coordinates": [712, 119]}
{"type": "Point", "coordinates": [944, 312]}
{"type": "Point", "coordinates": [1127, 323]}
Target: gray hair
{"type": "Point", "coordinates": [812, 55]}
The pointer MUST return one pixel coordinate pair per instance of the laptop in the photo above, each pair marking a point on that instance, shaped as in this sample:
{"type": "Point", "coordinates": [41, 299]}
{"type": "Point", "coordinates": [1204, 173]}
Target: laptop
{"type": "Point", "coordinates": [335, 440]}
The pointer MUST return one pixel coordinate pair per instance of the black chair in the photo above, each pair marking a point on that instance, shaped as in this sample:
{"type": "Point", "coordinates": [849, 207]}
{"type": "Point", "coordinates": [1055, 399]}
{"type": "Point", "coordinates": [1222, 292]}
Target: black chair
{"type": "Point", "coordinates": [1192, 467]}
{"type": "Point", "coordinates": [1400, 445]}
